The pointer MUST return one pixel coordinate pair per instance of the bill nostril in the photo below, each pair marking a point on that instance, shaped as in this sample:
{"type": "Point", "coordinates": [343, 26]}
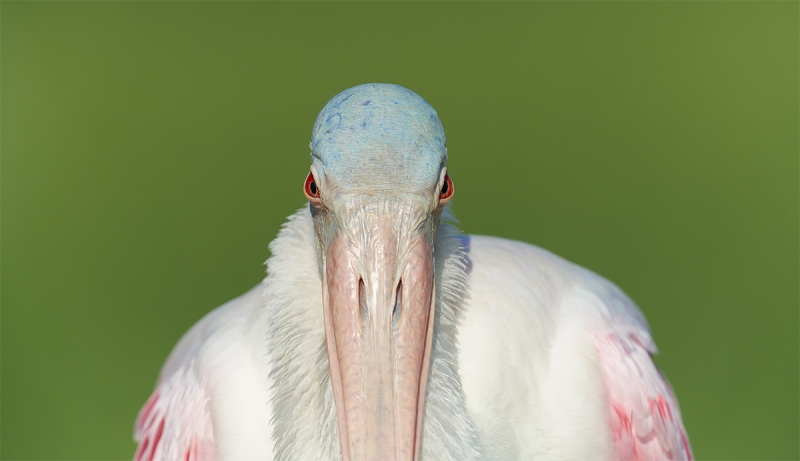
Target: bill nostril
{"type": "Point", "coordinates": [362, 302]}
{"type": "Point", "coordinates": [398, 304]}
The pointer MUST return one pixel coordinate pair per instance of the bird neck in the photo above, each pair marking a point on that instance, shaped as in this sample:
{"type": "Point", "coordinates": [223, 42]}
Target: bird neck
{"type": "Point", "coordinates": [304, 416]}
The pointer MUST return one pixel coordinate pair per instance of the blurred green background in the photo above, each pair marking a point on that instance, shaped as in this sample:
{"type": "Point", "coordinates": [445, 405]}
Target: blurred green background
{"type": "Point", "coordinates": [150, 152]}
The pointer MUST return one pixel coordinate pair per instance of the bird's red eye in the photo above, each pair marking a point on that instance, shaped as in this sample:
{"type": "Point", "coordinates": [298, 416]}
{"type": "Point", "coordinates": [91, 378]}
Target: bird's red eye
{"type": "Point", "coordinates": [447, 189]}
{"type": "Point", "coordinates": [311, 188]}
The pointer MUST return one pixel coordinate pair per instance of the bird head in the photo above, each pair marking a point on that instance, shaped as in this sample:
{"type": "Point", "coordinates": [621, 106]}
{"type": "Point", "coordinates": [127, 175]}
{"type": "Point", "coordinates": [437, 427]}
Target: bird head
{"type": "Point", "coordinates": [377, 187]}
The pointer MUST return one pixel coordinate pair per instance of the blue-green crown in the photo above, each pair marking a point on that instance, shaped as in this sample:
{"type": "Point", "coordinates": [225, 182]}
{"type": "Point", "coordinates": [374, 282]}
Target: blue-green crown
{"type": "Point", "coordinates": [379, 131]}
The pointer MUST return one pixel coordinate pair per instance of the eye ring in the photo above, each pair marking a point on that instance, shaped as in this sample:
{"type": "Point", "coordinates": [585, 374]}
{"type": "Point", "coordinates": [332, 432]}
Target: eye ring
{"type": "Point", "coordinates": [311, 189]}
{"type": "Point", "coordinates": [447, 190]}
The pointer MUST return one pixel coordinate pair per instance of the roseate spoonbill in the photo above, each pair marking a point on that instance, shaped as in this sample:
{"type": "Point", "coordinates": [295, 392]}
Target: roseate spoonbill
{"type": "Point", "coordinates": [381, 332]}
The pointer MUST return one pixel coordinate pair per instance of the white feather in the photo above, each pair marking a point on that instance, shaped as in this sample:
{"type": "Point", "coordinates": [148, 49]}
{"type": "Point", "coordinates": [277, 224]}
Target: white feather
{"type": "Point", "coordinates": [517, 367]}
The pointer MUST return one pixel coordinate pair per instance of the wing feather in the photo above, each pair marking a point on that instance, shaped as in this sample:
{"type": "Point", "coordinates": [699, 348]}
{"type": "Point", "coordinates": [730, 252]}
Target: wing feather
{"type": "Point", "coordinates": [643, 411]}
{"type": "Point", "coordinates": [175, 422]}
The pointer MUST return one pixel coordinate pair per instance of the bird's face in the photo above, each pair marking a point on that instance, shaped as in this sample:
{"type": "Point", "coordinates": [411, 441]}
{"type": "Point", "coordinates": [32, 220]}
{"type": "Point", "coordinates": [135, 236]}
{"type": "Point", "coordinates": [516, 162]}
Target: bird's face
{"type": "Point", "coordinates": [377, 187]}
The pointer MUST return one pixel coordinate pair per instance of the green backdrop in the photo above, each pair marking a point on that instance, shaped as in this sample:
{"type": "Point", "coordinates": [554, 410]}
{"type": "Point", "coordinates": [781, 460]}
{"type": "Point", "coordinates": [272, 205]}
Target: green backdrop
{"type": "Point", "coordinates": [150, 152]}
